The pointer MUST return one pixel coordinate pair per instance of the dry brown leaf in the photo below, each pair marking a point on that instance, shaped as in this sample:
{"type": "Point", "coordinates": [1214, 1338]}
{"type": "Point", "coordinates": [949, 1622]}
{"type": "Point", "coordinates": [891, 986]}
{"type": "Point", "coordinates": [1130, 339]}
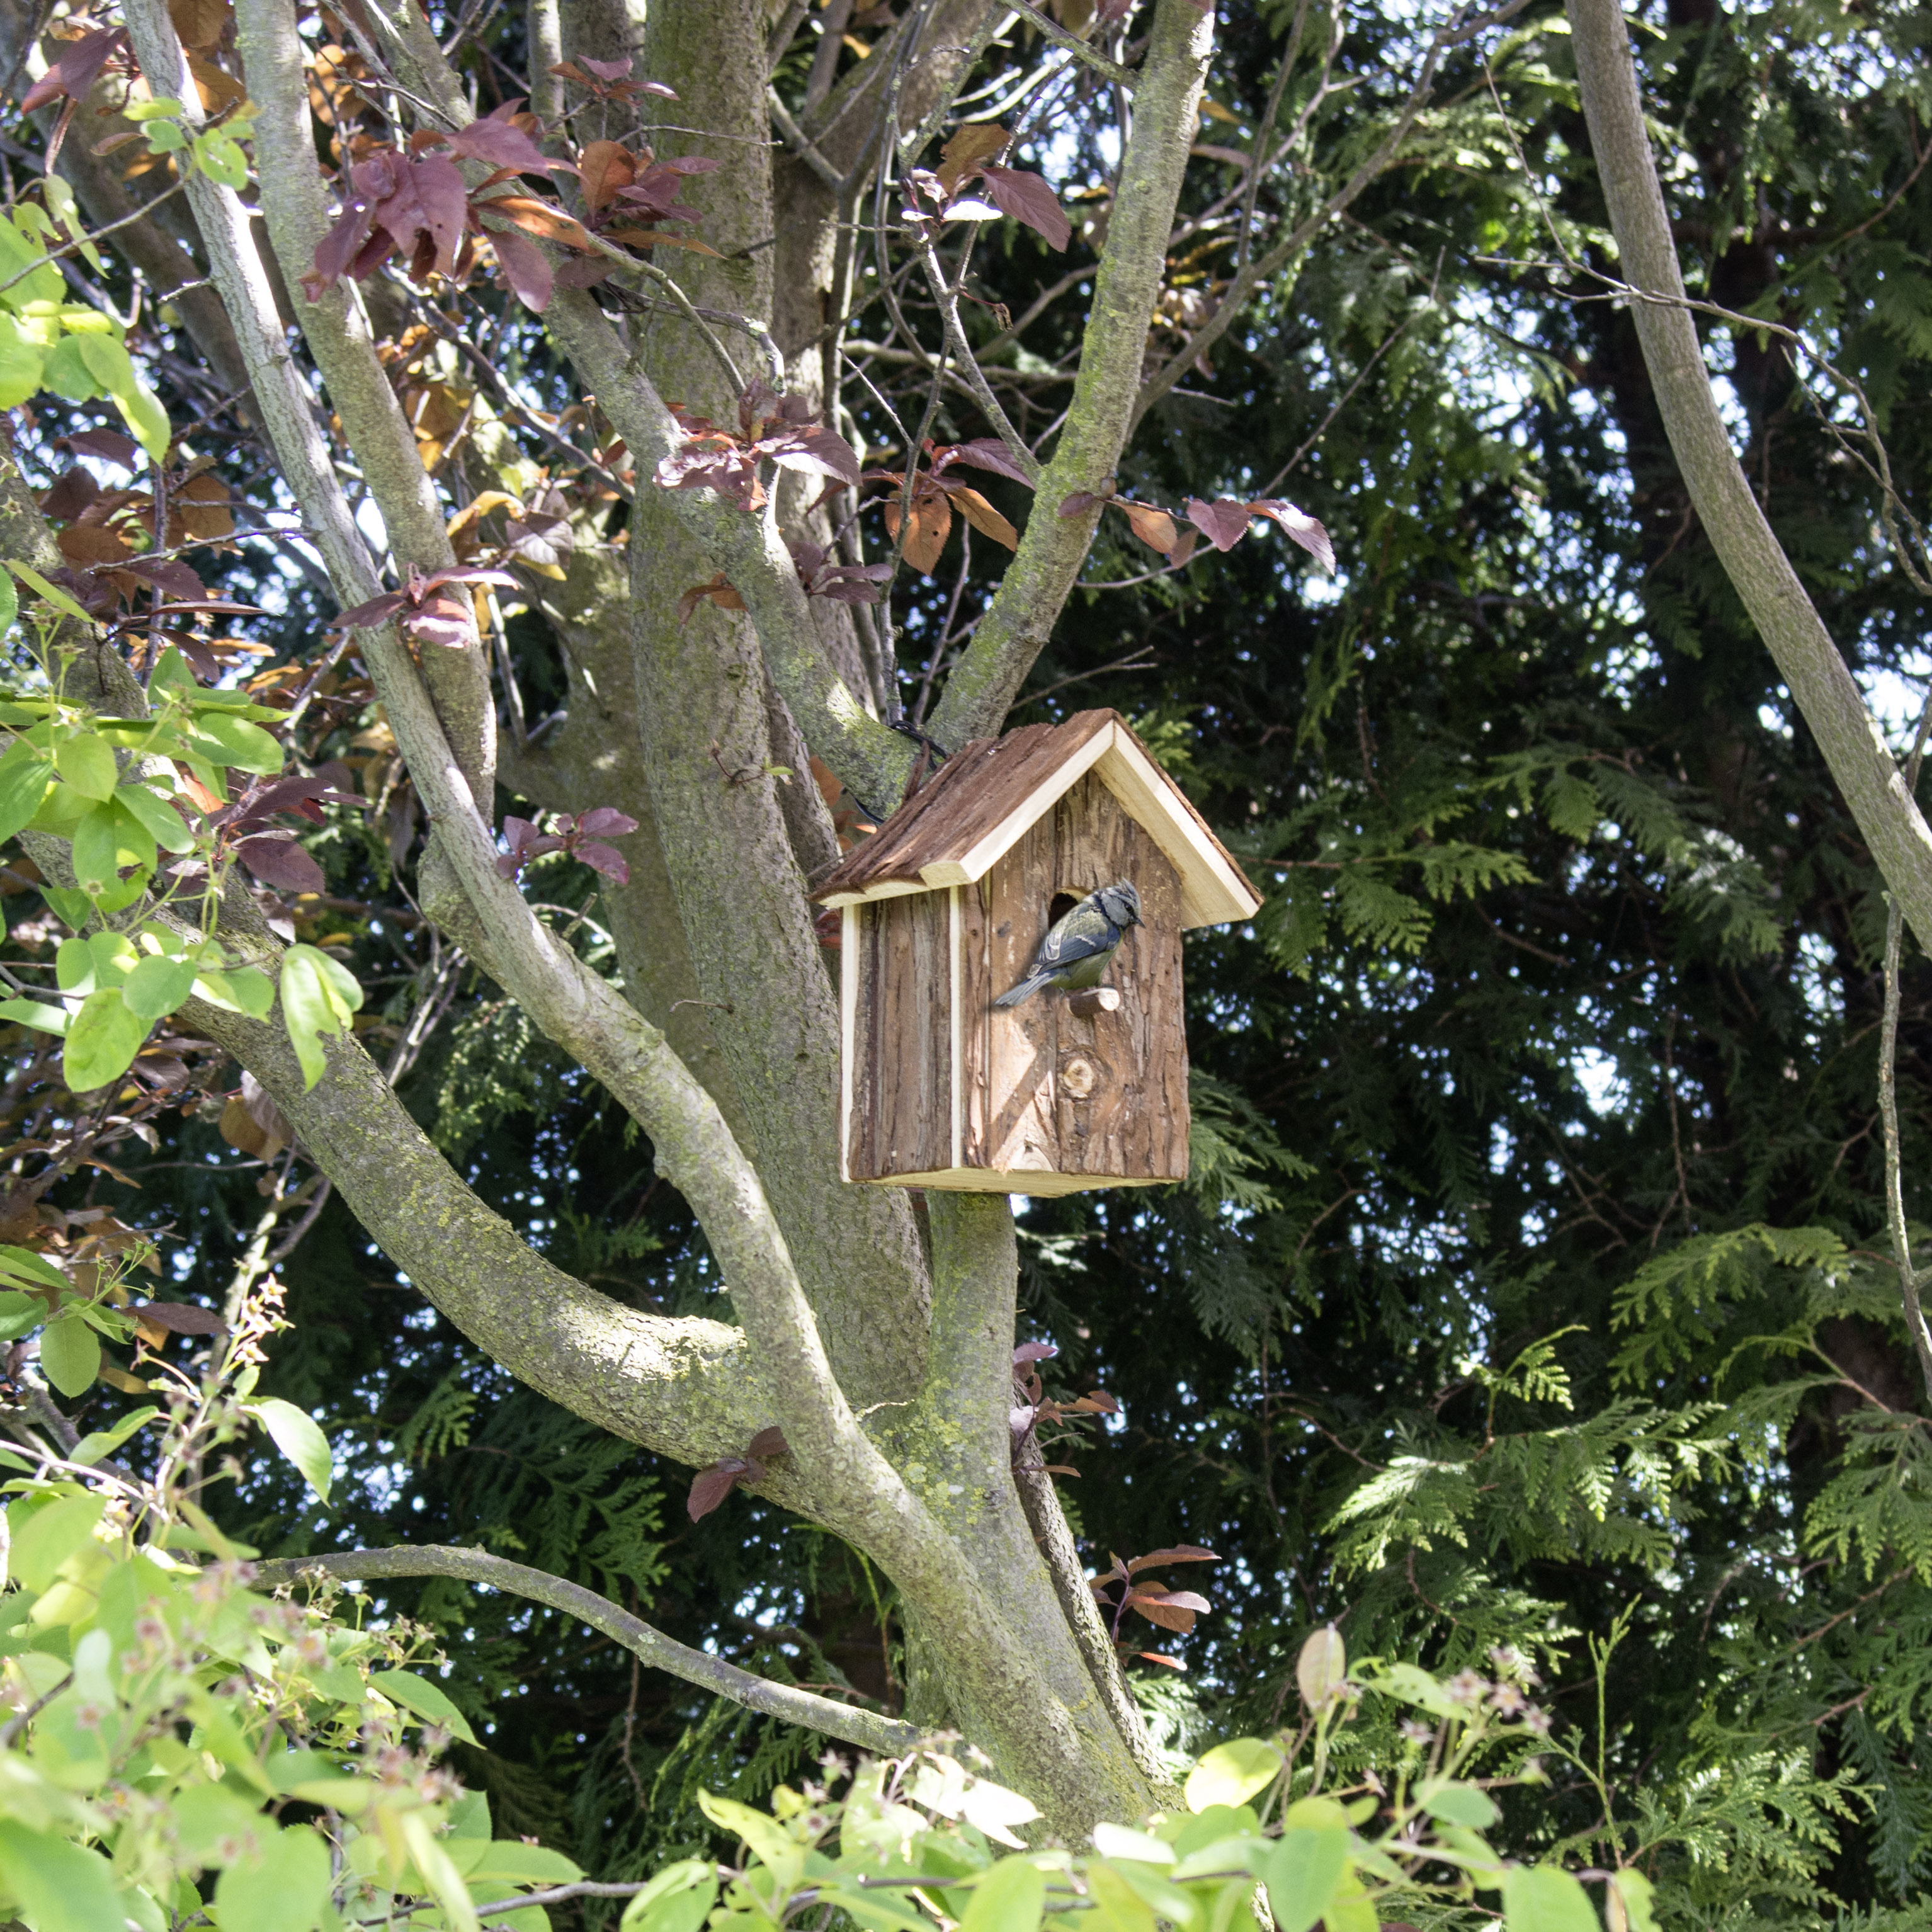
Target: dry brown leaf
{"type": "Point", "coordinates": [978, 141]}
{"type": "Point", "coordinates": [607, 165]}
{"type": "Point", "coordinates": [199, 22]}
{"type": "Point", "coordinates": [88, 544]}
{"type": "Point", "coordinates": [201, 507]}
{"type": "Point", "coordinates": [931, 525]}
{"type": "Point", "coordinates": [1155, 528]}
{"type": "Point", "coordinates": [540, 218]}
{"type": "Point", "coordinates": [984, 518]}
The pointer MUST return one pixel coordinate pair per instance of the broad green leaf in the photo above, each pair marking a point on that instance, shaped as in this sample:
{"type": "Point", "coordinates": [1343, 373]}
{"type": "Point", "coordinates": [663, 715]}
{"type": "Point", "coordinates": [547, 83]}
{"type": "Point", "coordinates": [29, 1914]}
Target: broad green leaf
{"type": "Point", "coordinates": [106, 842]}
{"type": "Point", "coordinates": [1461, 1804]}
{"type": "Point", "coordinates": [59, 812]}
{"type": "Point", "coordinates": [147, 420]}
{"type": "Point", "coordinates": [74, 968]}
{"type": "Point", "coordinates": [1011, 1898]}
{"type": "Point", "coordinates": [170, 829]}
{"type": "Point", "coordinates": [153, 110]}
{"type": "Point", "coordinates": [108, 362]}
{"type": "Point", "coordinates": [30, 1012]}
{"type": "Point", "coordinates": [1539, 1898]}
{"type": "Point", "coordinates": [440, 1876]}
{"type": "Point", "coordinates": [298, 1437]}
{"type": "Point", "coordinates": [318, 996]}
{"type": "Point", "coordinates": [21, 360]}
{"type": "Point", "coordinates": [61, 1887]}
{"type": "Point", "coordinates": [418, 1693]}
{"type": "Point", "coordinates": [23, 1264]}
{"type": "Point", "coordinates": [1231, 1773]}
{"type": "Point", "coordinates": [240, 743]}
{"type": "Point", "coordinates": [1301, 1870]}
{"type": "Point", "coordinates": [100, 1442]}
{"type": "Point", "coordinates": [67, 372]}
{"type": "Point", "coordinates": [769, 1841]}
{"type": "Point", "coordinates": [102, 1040]}
{"type": "Point", "coordinates": [50, 1536]}
{"type": "Point", "coordinates": [507, 1862]}
{"type": "Point", "coordinates": [222, 160]}
{"type": "Point", "coordinates": [19, 1314]}
{"type": "Point", "coordinates": [678, 1899]}
{"type": "Point", "coordinates": [24, 771]}
{"type": "Point", "coordinates": [87, 764]}
{"type": "Point", "coordinates": [74, 909]}
{"type": "Point", "coordinates": [71, 1354]}
{"type": "Point", "coordinates": [51, 592]}
{"type": "Point", "coordinates": [284, 1889]}
{"type": "Point", "coordinates": [241, 990]}
{"type": "Point", "coordinates": [1119, 1841]}
{"type": "Point", "coordinates": [157, 985]}
{"type": "Point", "coordinates": [1634, 1892]}
{"type": "Point", "coordinates": [114, 957]}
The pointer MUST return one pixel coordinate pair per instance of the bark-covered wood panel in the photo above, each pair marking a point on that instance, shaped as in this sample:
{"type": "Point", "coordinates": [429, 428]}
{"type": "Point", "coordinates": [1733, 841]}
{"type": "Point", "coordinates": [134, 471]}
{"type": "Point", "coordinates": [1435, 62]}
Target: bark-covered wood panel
{"type": "Point", "coordinates": [1104, 1095]}
{"type": "Point", "coordinates": [902, 1048]}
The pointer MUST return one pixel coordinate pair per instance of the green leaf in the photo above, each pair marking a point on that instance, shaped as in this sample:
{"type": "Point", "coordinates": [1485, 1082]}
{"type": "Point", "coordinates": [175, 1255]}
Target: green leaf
{"type": "Point", "coordinates": [221, 160]}
{"type": "Point", "coordinates": [284, 1889]}
{"type": "Point", "coordinates": [74, 966]}
{"type": "Point", "coordinates": [75, 909]}
{"type": "Point", "coordinates": [319, 995]}
{"type": "Point", "coordinates": [509, 1861]}
{"type": "Point", "coordinates": [415, 1693]}
{"type": "Point", "coordinates": [298, 1437]}
{"type": "Point", "coordinates": [86, 762]}
{"type": "Point", "coordinates": [22, 359]}
{"type": "Point", "coordinates": [1231, 1773]}
{"type": "Point", "coordinates": [1635, 1891]}
{"type": "Point", "coordinates": [102, 1040]}
{"type": "Point", "coordinates": [108, 840]}
{"type": "Point", "coordinates": [1301, 1870]}
{"type": "Point", "coordinates": [237, 742]}
{"type": "Point", "coordinates": [23, 1264]}
{"type": "Point", "coordinates": [1461, 1804]}
{"type": "Point", "coordinates": [169, 830]}
{"type": "Point", "coordinates": [241, 990]}
{"type": "Point", "coordinates": [61, 1886]}
{"type": "Point", "coordinates": [142, 411]}
{"type": "Point", "coordinates": [100, 1442]}
{"type": "Point", "coordinates": [71, 1354]}
{"type": "Point", "coordinates": [52, 593]}
{"type": "Point", "coordinates": [1011, 1898]}
{"type": "Point", "coordinates": [24, 771]}
{"type": "Point", "coordinates": [157, 985]}
{"type": "Point", "coordinates": [108, 362]}
{"type": "Point", "coordinates": [1539, 1898]}
{"type": "Point", "coordinates": [678, 1899]}
{"type": "Point", "coordinates": [50, 1536]}
{"type": "Point", "coordinates": [30, 1012]}
{"type": "Point", "coordinates": [66, 373]}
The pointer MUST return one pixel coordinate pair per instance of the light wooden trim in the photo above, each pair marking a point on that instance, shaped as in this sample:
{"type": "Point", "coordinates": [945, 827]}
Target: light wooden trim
{"type": "Point", "coordinates": [1040, 1181]}
{"type": "Point", "coordinates": [955, 957]}
{"type": "Point", "coordinates": [848, 1029]}
{"type": "Point", "coordinates": [977, 862]}
{"type": "Point", "coordinates": [886, 889]}
{"type": "Point", "coordinates": [1212, 892]}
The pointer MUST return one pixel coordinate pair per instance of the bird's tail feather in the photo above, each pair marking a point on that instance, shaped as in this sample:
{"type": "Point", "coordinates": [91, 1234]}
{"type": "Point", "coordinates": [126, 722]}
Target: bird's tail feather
{"type": "Point", "coordinates": [1024, 990]}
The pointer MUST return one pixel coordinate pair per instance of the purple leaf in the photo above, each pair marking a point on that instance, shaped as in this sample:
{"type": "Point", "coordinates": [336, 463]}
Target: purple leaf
{"type": "Point", "coordinates": [276, 859]}
{"type": "Point", "coordinates": [77, 70]}
{"type": "Point", "coordinates": [367, 617]}
{"type": "Point", "coordinates": [500, 144]}
{"type": "Point", "coordinates": [442, 204]}
{"type": "Point", "coordinates": [176, 579]}
{"type": "Point", "coordinates": [1223, 522]}
{"type": "Point", "coordinates": [1033, 1351]}
{"type": "Point", "coordinates": [1303, 528]}
{"type": "Point", "coordinates": [109, 445]}
{"type": "Point", "coordinates": [180, 1317]}
{"type": "Point", "coordinates": [606, 821]}
{"type": "Point", "coordinates": [769, 1442]}
{"type": "Point", "coordinates": [605, 858]}
{"type": "Point", "coordinates": [524, 267]}
{"type": "Point", "coordinates": [1081, 503]}
{"type": "Point", "coordinates": [1028, 198]}
{"type": "Point", "coordinates": [709, 1488]}
{"type": "Point", "coordinates": [609, 72]}
{"type": "Point", "coordinates": [988, 452]}
{"type": "Point", "coordinates": [443, 621]}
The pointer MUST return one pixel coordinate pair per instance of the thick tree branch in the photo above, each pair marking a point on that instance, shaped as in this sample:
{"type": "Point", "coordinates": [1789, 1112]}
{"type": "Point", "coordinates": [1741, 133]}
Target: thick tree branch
{"type": "Point", "coordinates": [1047, 564]}
{"type": "Point", "coordinates": [1855, 749]}
{"type": "Point", "coordinates": [868, 1730]}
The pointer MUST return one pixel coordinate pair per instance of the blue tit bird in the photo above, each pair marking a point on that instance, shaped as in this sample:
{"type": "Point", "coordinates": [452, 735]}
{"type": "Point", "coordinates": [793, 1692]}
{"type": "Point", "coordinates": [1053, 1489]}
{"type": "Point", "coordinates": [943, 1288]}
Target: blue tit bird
{"type": "Point", "coordinates": [1074, 954]}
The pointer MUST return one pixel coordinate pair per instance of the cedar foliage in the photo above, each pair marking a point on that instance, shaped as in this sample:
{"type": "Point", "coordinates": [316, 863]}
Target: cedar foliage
{"type": "Point", "coordinates": [1528, 1289]}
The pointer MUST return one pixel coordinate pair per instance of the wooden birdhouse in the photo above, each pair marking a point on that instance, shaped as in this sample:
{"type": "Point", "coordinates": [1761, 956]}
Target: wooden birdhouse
{"type": "Point", "coordinates": [944, 909]}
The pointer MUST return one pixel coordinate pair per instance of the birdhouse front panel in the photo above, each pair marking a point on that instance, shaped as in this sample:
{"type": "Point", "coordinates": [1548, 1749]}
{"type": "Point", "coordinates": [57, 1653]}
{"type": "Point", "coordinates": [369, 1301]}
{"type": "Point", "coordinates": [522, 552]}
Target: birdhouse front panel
{"type": "Point", "coordinates": [1059, 1085]}
{"type": "Point", "coordinates": [898, 972]}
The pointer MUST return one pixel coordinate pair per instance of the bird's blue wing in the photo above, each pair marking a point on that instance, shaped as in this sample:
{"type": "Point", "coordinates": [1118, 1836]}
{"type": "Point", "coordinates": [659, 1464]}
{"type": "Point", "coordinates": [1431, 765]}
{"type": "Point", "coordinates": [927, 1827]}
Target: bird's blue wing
{"type": "Point", "coordinates": [1084, 931]}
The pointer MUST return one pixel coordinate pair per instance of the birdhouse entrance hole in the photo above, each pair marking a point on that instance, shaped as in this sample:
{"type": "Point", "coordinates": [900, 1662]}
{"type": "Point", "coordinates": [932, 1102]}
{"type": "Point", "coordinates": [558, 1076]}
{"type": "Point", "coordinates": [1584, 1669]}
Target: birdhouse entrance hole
{"type": "Point", "coordinates": [1060, 905]}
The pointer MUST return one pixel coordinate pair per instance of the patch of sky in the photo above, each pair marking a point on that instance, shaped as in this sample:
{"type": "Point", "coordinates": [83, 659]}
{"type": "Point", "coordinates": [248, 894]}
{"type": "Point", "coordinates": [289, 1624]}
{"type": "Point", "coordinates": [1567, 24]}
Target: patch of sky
{"type": "Point", "coordinates": [1604, 1089]}
{"type": "Point", "coordinates": [1896, 693]}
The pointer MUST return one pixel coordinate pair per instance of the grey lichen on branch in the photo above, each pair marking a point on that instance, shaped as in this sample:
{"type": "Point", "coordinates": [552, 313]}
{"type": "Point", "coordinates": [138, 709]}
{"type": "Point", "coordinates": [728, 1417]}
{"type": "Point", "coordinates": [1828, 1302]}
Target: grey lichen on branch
{"type": "Point", "coordinates": [869, 1730]}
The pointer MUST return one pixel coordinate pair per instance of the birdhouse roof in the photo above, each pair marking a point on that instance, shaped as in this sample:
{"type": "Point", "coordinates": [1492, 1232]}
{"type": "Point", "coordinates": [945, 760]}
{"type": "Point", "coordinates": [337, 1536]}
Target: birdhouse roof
{"type": "Point", "coordinates": [982, 800]}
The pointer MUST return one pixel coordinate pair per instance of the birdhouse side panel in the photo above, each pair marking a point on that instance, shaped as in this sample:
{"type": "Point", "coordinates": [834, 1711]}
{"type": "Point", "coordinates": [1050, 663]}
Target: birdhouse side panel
{"type": "Point", "coordinates": [1121, 1077]}
{"type": "Point", "coordinates": [1015, 1125]}
{"type": "Point", "coordinates": [902, 1119]}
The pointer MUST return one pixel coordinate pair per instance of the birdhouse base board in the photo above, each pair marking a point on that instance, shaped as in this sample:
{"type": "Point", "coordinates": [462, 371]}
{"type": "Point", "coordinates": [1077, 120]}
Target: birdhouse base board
{"type": "Point", "coordinates": [1034, 1180]}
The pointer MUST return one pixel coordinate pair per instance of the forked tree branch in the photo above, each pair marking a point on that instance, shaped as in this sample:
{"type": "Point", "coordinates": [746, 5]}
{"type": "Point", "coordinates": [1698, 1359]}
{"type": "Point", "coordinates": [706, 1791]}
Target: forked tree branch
{"type": "Point", "coordinates": [1887, 817]}
{"type": "Point", "coordinates": [869, 1730]}
{"type": "Point", "coordinates": [1053, 547]}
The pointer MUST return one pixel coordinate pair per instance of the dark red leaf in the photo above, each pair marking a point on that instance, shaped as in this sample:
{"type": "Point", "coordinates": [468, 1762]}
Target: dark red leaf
{"type": "Point", "coordinates": [109, 445]}
{"type": "Point", "coordinates": [179, 1318]}
{"type": "Point", "coordinates": [709, 1488]}
{"type": "Point", "coordinates": [440, 207]}
{"type": "Point", "coordinates": [1223, 522]}
{"type": "Point", "coordinates": [367, 617]}
{"type": "Point", "coordinates": [276, 859]}
{"type": "Point", "coordinates": [606, 821]}
{"type": "Point", "coordinates": [70, 494]}
{"type": "Point", "coordinates": [607, 71]}
{"type": "Point", "coordinates": [501, 145]}
{"type": "Point", "coordinates": [77, 70]}
{"type": "Point", "coordinates": [770, 1442]}
{"type": "Point", "coordinates": [1081, 503]}
{"type": "Point", "coordinates": [984, 452]}
{"type": "Point", "coordinates": [605, 858]}
{"type": "Point", "coordinates": [1027, 198]}
{"type": "Point", "coordinates": [1034, 1352]}
{"type": "Point", "coordinates": [336, 253]}
{"type": "Point", "coordinates": [1181, 1553]}
{"type": "Point", "coordinates": [1303, 529]}
{"type": "Point", "coordinates": [176, 579]}
{"type": "Point", "coordinates": [525, 268]}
